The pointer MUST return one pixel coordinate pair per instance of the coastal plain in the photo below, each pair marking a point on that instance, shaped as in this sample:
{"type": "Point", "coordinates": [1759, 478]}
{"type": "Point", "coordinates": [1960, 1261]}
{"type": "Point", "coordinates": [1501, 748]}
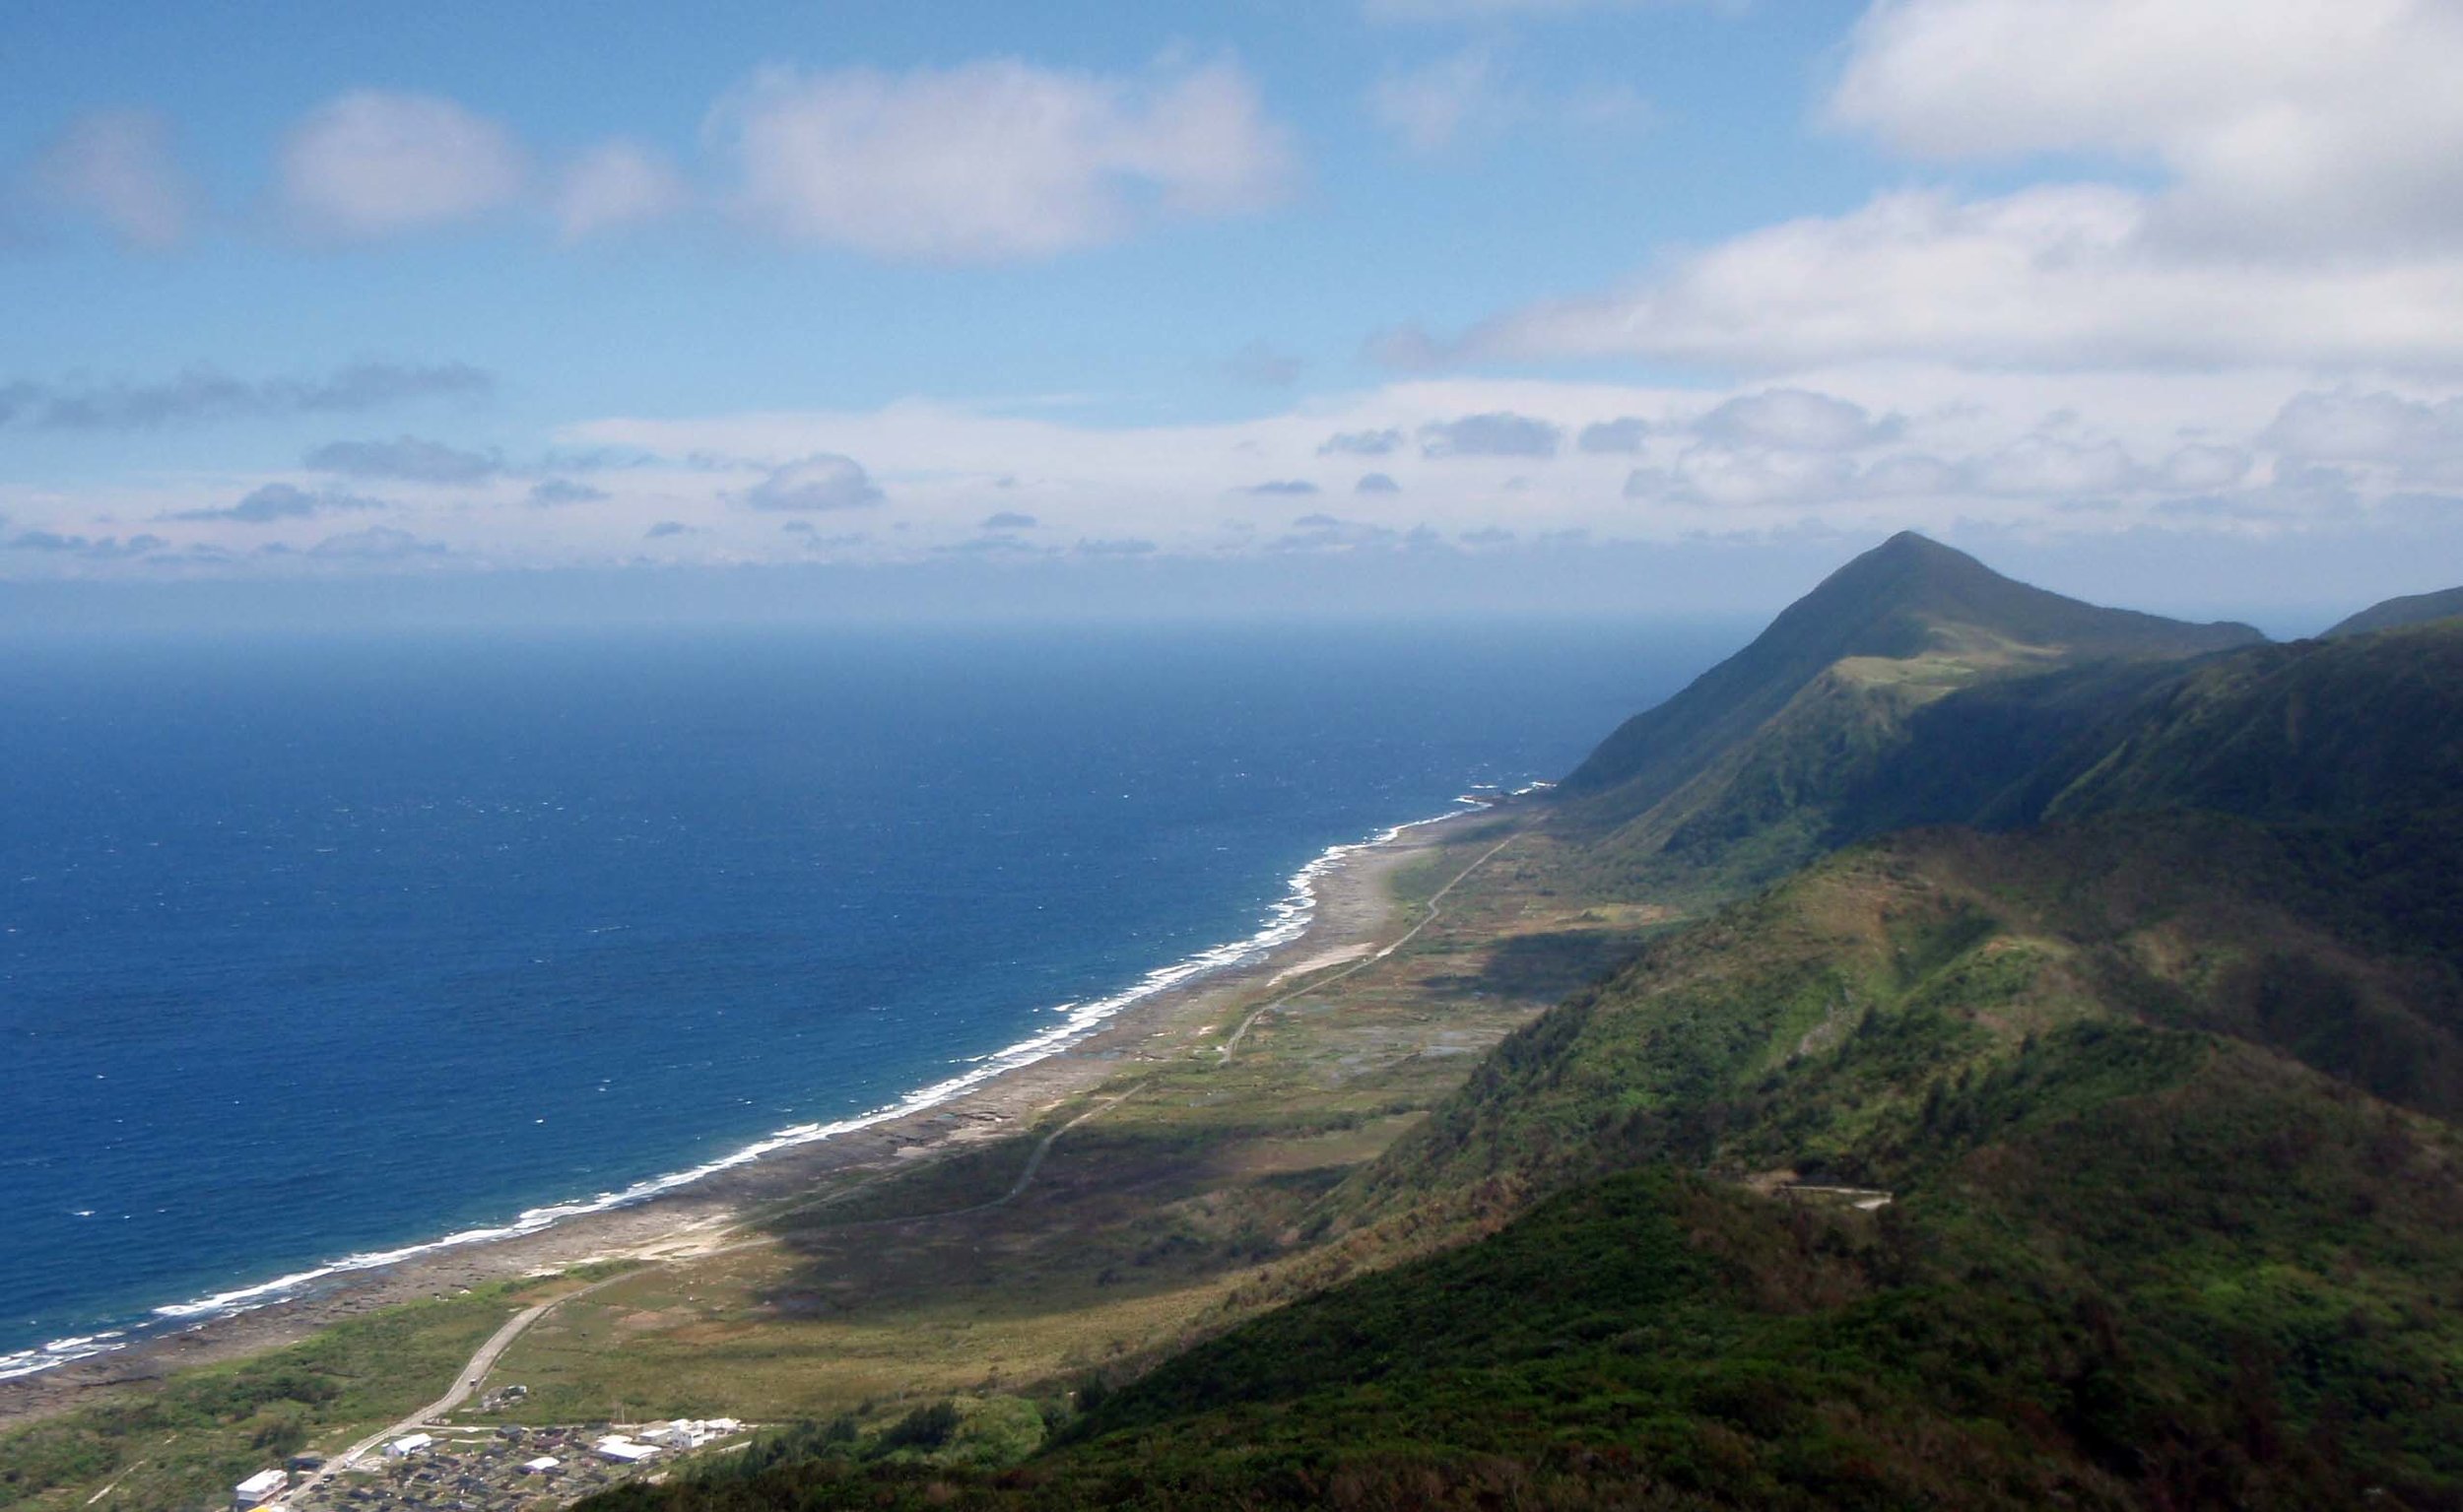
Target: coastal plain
{"type": "Point", "coordinates": [1092, 1210]}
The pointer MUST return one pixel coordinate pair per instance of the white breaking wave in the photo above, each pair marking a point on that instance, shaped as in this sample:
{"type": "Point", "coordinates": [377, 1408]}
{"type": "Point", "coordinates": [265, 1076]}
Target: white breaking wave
{"type": "Point", "coordinates": [1286, 921]}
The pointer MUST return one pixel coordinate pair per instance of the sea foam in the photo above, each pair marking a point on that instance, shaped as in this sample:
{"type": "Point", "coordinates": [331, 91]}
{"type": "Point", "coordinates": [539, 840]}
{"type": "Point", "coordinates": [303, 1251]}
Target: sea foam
{"type": "Point", "coordinates": [1285, 920]}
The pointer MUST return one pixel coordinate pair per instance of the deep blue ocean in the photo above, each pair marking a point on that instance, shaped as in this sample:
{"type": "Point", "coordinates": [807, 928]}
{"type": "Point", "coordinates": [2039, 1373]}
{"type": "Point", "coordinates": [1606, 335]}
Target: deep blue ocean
{"type": "Point", "coordinates": [311, 949]}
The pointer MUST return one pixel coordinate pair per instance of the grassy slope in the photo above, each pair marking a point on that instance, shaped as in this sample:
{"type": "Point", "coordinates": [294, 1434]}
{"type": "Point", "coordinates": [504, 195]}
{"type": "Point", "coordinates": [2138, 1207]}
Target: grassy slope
{"type": "Point", "coordinates": [2131, 1263]}
{"type": "Point", "coordinates": [2163, 1096]}
{"type": "Point", "coordinates": [2411, 609]}
{"type": "Point", "coordinates": [1763, 764]}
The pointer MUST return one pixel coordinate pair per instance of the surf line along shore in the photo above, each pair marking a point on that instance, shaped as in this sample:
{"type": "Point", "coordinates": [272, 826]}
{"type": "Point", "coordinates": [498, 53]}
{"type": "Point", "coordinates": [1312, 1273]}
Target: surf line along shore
{"type": "Point", "coordinates": [1351, 913]}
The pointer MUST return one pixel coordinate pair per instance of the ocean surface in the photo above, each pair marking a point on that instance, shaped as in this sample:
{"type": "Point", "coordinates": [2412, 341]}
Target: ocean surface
{"type": "Point", "coordinates": [311, 952]}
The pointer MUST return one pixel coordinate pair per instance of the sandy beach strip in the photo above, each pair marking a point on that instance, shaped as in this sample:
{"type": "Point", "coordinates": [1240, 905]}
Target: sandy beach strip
{"type": "Point", "coordinates": [1353, 914]}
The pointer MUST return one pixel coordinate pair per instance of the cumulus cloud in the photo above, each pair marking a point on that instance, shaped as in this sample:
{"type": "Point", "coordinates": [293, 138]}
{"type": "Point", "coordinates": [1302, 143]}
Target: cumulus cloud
{"type": "Point", "coordinates": [2280, 122]}
{"type": "Point", "coordinates": [1625, 433]}
{"type": "Point", "coordinates": [549, 492]}
{"type": "Point", "coordinates": [1376, 483]}
{"type": "Point", "coordinates": [1008, 519]}
{"type": "Point", "coordinates": [2052, 277]}
{"type": "Point", "coordinates": [375, 164]}
{"type": "Point", "coordinates": [823, 481]}
{"type": "Point", "coordinates": [994, 160]}
{"type": "Point", "coordinates": [2048, 466]}
{"type": "Point", "coordinates": [1287, 488]}
{"type": "Point", "coordinates": [615, 184]}
{"type": "Point", "coordinates": [2346, 426]}
{"type": "Point", "coordinates": [1131, 545]}
{"type": "Point", "coordinates": [1361, 444]}
{"type": "Point", "coordinates": [2306, 206]}
{"type": "Point", "coordinates": [1500, 433]}
{"type": "Point", "coordinates": [1744, 478]}
{"type": "Point", "coordinates": [276, 501]}
{"type": "Point", "coordinates": [209, 394]}
{"type": "Point", "coordinates": [405, 458]}
{"type": "Point", "coordinates": [666, 529]}
{"type": "Point", "coordinates": [118, 167]}
{"type": "Point", "coordinates": [1794, 420]}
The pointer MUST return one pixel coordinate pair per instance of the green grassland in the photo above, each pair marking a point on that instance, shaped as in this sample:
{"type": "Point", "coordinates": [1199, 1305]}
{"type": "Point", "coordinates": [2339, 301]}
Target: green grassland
{"type": "Point", "coordinates": [1179, 1208]}
{"type": "Point", "coordinates": [186, 1441]}
{"type": "Point", "coordinates": [2136, 1256]}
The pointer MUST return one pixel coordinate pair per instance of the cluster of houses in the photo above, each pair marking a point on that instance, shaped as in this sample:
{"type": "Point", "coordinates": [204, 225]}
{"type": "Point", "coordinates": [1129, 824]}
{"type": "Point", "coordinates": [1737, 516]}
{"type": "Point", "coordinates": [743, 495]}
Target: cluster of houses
{"type": "Point", "coordinates": [481, 1478]}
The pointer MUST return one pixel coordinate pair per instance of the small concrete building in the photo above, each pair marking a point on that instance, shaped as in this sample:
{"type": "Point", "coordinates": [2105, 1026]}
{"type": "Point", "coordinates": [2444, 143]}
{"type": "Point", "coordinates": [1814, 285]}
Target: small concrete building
{"type": "Point", "coordinates": [689, 1432]}
{"type": "Point", "coordinates": [410, 1444]}
{"type": "Point", "coordinates": [544, 1464]}
{"type": "Point", "coordinates": [259, 1489]}
{"type": "Point", "coordinates": [619, 1450]}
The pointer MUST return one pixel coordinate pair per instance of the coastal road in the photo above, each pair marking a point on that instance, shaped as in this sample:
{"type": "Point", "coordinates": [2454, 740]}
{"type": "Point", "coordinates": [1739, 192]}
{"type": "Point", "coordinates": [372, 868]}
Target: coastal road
{"type": "Point", "coordinates": [464, 1384]}
{"type": "Point", "coordinates": [1436, 908]}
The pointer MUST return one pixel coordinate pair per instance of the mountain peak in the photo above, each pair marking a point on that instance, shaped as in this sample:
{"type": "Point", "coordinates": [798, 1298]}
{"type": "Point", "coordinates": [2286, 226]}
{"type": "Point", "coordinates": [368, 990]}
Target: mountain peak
{"type": "Point", "coordinates": [1904, 598]}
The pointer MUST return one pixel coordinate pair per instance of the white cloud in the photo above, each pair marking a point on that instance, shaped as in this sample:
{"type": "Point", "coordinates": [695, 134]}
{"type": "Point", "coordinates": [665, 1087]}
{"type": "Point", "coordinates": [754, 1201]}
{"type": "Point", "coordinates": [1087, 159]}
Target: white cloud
{"type": "Point", "coordinates": [1717, 476]}
{"type": "Point", "coordinates": [2064, 455]}
{"type": "Point", "coordinates": [2295, 198]}
{"type": "Point", "coordinates": [995, 161]}
{"type": "Point", "coordinates": [1428, 108]}
{"type": "Point", "coordinates": [375, 164]}
{"type": "Point", "coordinates": [615, 184]}
{"type": "Point", "coordinates": [2050, 467]}
{"type": "Point", "coordinates": [2202, 468]}
{"type": "Point", "coordinates": [2287, 121]}
{"type": "Point", "coordinates": [1794, 420]}
{"type": "Point", "coordinates": [2062, 276]}
{"type": "Point", "coordinates": [2380, 426]}
{"type": "Point", "coordinates": [119, 166]}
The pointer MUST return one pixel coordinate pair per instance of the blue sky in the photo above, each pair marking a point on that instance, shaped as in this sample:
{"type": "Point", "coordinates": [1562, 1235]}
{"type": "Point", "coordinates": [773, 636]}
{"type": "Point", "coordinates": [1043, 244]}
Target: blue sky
{"type": "Point", "coordinates": [295, 292]}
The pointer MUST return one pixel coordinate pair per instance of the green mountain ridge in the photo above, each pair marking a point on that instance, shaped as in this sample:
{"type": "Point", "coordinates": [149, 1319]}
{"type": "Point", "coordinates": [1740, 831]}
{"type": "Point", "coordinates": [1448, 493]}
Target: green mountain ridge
{"type": "Point", "coordinates": [2394, 614]}
{"type": "Point", "coordinates": [1735, 782]}
{"type": "Point", "coordinates": [2077, 1121]}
